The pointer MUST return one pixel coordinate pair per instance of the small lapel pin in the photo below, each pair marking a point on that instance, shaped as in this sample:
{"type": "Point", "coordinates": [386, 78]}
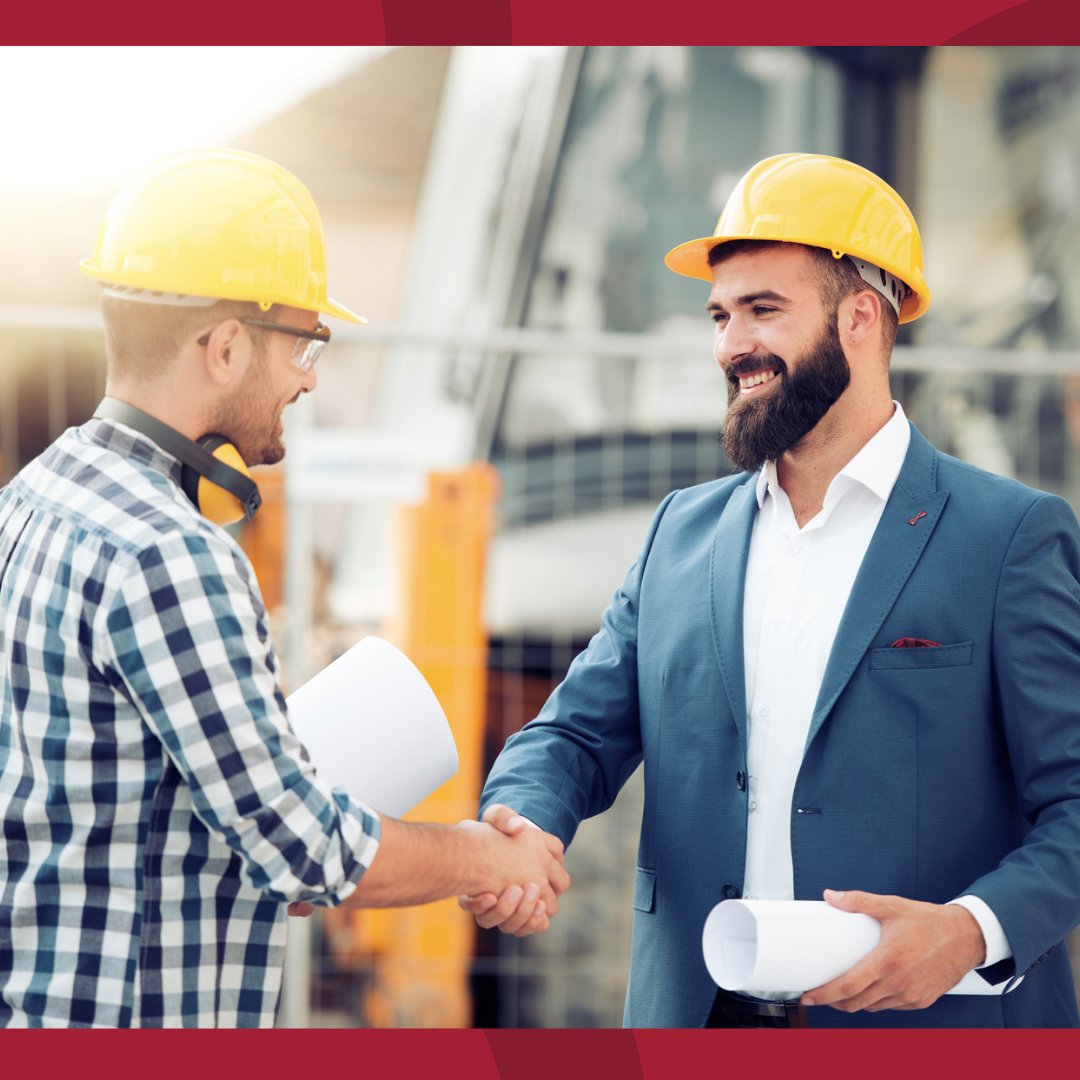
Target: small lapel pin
{"type": "Point", "coordinates": [920, 514]}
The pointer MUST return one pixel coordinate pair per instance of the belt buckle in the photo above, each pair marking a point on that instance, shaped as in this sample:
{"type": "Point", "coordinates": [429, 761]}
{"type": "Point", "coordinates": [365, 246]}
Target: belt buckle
{"type": "Point", "coordinates": [789, 1013]}
{"type": "Point", "coordinates": [795, 1012]}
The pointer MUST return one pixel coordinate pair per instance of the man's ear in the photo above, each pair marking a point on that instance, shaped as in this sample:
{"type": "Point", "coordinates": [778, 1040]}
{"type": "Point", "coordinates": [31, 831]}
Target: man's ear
{"type": "Point", "coordinates": [859, 317]}
{"type": "Point", "coordinates": [227, 353]}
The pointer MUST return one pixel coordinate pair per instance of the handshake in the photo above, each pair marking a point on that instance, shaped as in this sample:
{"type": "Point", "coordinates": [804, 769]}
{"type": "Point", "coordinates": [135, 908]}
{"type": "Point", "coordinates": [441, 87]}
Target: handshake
{"type": "Point", "coordinates": [517, 910]}
{"type": "Point", "coordinates": [504, 870]}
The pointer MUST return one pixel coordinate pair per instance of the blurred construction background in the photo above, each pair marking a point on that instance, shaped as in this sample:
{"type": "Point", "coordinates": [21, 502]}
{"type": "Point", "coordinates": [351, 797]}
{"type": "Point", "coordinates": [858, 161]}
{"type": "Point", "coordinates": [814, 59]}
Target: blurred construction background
{"type": "Point", "coordinates": [478, 467]}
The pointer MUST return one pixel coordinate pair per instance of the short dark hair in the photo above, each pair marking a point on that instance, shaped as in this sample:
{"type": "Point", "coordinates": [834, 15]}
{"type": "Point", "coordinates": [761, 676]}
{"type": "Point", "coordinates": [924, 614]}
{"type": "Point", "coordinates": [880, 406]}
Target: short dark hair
{"type": "Point", "coordinates": [837, 279]}
{"type": "Point", "coordinates": [142, 340]}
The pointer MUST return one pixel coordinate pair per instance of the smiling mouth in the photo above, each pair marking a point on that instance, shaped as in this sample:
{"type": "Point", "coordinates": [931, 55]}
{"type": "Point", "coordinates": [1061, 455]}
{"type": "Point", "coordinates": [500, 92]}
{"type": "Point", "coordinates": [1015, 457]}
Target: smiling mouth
{"type": "Point", "coordinates": [749, 383]}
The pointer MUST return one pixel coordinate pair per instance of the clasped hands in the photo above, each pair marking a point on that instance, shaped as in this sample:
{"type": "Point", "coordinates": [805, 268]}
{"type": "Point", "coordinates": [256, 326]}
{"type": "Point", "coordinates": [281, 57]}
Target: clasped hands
{"type": "Point", "coordinates": [516, 910]}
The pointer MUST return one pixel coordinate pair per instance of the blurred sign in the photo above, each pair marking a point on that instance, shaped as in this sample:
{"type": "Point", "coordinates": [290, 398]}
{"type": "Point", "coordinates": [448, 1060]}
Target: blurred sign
{"type": "Point", "coordinates": [349, 465]}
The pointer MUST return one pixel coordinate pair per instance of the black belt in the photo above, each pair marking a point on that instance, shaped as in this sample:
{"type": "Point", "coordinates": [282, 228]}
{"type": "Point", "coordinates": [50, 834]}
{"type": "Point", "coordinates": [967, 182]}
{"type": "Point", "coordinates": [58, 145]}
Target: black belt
{"type": "Point", "coordinates": [737, 1011]}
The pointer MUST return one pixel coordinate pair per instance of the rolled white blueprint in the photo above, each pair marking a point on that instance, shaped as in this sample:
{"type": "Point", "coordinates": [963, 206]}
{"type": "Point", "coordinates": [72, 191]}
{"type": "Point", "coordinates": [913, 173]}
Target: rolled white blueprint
{"type": "Point", "coordinates": [373, 726]}
{"type": "Point", "coordinates": [791, 946]}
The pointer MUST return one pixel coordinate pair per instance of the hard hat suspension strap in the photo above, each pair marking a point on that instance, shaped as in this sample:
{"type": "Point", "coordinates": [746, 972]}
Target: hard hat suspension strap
{"type": "Point", "coordinates": [166, 299]}
{"type": "Point", "coordinates": [889, 285]}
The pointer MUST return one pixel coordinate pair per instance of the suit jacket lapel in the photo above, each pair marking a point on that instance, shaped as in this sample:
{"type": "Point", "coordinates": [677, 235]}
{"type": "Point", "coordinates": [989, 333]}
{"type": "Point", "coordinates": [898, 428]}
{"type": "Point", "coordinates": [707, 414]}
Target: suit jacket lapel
{"type": "Point", "coordinates": [730, 552]}
{"type": "Point", "coordinates": [893, 552]}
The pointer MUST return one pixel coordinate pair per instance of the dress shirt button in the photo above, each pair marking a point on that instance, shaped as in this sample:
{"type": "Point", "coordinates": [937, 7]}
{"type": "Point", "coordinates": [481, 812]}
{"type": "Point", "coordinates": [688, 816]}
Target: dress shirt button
{"type": "Point", "coordinates": [777, 624]}
{"type": "Point", "coordinates": [763, 714]}
{"type": "Point", "coordinates": [740, 780]}
{"type": "Point", "coordinates": [793, 551]}
{"type": "Point", "coordinates": [753, 806]}
{"type": "Point", "coordinates": [730, 892]}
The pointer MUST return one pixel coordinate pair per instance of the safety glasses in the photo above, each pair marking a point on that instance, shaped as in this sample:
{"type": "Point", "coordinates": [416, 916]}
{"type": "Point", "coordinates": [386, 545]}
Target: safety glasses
{"type": "Point", "coordinates": [309, 343]}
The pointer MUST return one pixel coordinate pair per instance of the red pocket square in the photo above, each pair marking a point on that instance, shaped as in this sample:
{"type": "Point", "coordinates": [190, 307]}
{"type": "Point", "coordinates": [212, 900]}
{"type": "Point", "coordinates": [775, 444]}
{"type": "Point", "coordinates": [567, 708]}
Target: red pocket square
{"type": "Point", "coordinates": [914, 643]}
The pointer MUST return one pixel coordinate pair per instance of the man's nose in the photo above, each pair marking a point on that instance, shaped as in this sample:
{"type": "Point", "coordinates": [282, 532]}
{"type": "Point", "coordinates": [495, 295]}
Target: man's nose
{"type": "Point", "coordinates": [734, 341]}
{"type": "Point", "coordinates": [309, 381]}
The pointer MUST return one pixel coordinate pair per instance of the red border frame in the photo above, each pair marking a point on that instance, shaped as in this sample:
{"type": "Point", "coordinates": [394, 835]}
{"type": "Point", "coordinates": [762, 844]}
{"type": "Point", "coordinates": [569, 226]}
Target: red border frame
{"type": "Point", "coordinates": [536, 22]}
{"type": "Point", "coordinates": [540, 1055]}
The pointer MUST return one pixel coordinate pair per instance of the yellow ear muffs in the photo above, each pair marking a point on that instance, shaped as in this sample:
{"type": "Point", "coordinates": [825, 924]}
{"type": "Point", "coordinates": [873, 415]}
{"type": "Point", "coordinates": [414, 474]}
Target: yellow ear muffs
{"type": "Point", "coordinates": [222, 507]}
{"type": "Point", "coordinates": [214, 476]}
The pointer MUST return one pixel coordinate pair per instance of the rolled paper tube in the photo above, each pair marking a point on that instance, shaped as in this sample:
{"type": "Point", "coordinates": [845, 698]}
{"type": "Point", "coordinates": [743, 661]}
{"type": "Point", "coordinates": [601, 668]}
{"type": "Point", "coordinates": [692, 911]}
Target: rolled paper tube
{"type": "Point", "coordinates": [373, 726]}
{"type": "Point", "coordinates": [761, 947]}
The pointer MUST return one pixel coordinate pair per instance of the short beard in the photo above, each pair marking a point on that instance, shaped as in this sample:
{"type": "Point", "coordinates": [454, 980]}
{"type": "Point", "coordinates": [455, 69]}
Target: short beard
{"type": "Point", "coordinates": [243, 419]}
{"type": "Point", "coordinates": [759, 431]}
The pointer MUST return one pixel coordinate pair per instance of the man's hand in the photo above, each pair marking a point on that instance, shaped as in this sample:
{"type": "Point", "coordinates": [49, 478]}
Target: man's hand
{"type": "Point", "coordinates": [925, 950]}
{"type": "Point", "coordinates": [515, 911]}
{"type": "Point", "coordinates": [523, 905]}
{"type": "Point", "coordinates": [300, 910]}
{"type": "Point", "coordinates": [417, 863]}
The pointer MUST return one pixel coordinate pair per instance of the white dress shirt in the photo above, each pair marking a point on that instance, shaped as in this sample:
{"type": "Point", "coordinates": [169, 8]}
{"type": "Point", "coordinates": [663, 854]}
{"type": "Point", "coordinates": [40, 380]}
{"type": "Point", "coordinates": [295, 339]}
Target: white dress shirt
{"type": "Point", "coordinates": [797, 586]}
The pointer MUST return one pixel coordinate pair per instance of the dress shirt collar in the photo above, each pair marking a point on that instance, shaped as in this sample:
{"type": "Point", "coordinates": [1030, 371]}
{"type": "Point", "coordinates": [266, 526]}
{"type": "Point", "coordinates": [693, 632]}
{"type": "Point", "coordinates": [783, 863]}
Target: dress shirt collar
{"type": "Point", "coordinates": [876, 466]}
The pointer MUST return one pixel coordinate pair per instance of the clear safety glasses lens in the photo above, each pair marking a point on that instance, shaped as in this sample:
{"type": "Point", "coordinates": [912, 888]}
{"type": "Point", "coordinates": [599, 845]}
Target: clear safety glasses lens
{"type": "Point", "coordinates": [306, 351]}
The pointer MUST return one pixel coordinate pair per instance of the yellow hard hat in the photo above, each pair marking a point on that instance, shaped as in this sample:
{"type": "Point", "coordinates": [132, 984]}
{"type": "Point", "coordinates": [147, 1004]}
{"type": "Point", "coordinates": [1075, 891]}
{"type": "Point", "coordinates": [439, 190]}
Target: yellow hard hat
{"type": "Point", "coordinates": [222, 224]}
{"type": "Point", "coordinates": [824, 202]}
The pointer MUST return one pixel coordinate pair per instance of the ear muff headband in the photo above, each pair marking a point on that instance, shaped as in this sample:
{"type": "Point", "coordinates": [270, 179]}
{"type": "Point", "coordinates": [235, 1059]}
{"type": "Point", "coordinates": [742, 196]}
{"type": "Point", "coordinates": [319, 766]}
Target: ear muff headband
{"type": "Point", "coordinates": [198, 459]}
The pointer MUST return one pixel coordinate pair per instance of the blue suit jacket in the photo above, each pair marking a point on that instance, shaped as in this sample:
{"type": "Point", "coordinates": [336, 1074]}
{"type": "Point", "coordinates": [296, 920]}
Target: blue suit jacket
{"type": "Point", "coordinates": [927, 773]}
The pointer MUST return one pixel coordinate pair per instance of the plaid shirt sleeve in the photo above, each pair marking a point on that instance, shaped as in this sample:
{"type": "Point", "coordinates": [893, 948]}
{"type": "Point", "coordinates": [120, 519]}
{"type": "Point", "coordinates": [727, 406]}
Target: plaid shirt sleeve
{"type": "Point", "coordinates": [188, 640]}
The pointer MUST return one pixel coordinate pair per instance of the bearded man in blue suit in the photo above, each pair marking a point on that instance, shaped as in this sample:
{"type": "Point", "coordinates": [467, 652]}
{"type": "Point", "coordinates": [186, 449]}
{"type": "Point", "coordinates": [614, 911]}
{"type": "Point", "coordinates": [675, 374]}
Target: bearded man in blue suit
{"type": "Point", "coordinates": [852, 670]}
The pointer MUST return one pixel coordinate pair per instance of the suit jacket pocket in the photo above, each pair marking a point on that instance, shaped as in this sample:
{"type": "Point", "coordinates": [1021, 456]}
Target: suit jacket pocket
{"type": "Point", "coordinates": [936, 656]}
{"type": "Point", "coordinates": [644, 889]}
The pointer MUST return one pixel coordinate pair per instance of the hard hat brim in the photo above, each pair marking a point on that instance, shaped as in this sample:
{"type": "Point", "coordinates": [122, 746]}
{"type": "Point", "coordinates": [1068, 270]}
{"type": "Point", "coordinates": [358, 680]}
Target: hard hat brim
{"type": "Point", "coordinates": [332, 307]}
{"type": "Point", "coordinates": [692, 260]}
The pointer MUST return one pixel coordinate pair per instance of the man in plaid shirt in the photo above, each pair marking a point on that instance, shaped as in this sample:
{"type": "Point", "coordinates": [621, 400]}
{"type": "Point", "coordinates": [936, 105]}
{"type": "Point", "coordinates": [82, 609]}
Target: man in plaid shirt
{"type": "Point", "coordinates": [157, 814]}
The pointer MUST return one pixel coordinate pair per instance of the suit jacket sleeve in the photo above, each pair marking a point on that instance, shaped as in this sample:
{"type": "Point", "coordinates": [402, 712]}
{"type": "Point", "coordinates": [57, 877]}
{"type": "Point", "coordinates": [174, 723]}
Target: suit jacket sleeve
{"type": "Point", "coordinates": [1035, 890]}
{"type": "Point", "coordinates": [572, 760]}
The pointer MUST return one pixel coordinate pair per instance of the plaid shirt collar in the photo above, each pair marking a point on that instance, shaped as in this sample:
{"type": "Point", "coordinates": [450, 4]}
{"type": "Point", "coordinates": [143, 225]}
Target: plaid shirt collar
{"type": "Point", "coordinates": [129, 443]}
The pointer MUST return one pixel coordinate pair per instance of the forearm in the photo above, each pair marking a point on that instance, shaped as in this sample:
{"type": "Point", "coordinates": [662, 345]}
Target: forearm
{"type": "Point", "coordinates": [415, 864]}
{"type": "Point", "coordinates": [572, 761]}
{"type": "Point", "coordinates": [420, 863]}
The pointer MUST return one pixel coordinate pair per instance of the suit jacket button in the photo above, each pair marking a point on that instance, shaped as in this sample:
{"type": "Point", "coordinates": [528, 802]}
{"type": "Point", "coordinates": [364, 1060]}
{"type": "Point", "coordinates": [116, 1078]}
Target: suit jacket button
{"type": "Point", "coordinates": [730, 892]}
{"type": "Point", "coordinates": [740, 780]}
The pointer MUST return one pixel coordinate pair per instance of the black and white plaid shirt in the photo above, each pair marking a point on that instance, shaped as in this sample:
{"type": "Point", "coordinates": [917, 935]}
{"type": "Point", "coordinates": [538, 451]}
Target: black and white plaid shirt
{"type": "Point", "coordinates": [157, 812]}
